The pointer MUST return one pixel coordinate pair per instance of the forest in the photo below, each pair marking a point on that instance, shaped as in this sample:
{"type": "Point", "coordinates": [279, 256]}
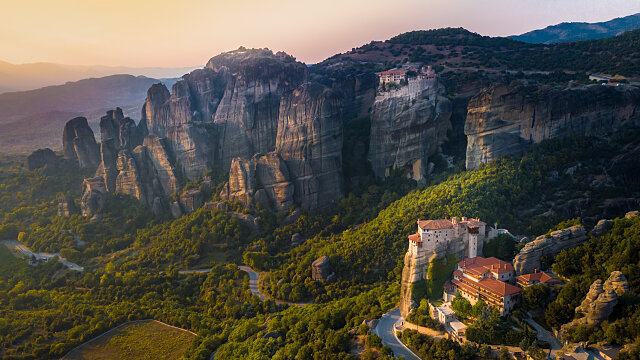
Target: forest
{"type": "Point", "coordinates": [133, 262]}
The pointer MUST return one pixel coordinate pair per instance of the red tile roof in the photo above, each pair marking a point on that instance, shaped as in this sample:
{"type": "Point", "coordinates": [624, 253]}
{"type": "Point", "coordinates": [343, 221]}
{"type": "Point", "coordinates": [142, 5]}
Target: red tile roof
{"type": "Point", "coordinates": [491, 264]}
{"type": "Point", "coordinates": [435, 224]}
{"type": "Point", "coordinates": [415, 238]}
{"type": "Point", "coordinates": [393, 71]}
{"type": "Point", "coordinates": [498, 287]}
{"type": "Point", "coordinates": [538, 276]}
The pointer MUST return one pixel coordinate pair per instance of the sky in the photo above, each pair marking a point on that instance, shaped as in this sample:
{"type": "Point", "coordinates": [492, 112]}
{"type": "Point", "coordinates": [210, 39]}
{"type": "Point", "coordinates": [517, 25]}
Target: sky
{"type": "Point", "coordinates": [176, 33]}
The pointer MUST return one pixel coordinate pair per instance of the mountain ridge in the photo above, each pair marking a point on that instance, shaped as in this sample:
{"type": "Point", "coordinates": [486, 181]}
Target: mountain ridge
{"type": "Point", "coordinates": [577, 31]}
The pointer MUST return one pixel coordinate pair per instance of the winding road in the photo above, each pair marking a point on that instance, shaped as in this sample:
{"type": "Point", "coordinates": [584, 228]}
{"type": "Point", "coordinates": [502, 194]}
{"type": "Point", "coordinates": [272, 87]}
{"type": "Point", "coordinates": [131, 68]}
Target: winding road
{"type": "Point", "coordinates": [18, 247]}
{"type": "Point", "coordinates": [388, 335]}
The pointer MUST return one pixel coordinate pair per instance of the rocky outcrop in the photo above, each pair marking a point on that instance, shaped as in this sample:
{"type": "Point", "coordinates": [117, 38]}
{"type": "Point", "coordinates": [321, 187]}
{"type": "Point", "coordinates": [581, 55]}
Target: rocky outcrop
{"type": "Point", "coordinates": [66, 206]}
{"type": "Point", "coordinates": [160, 166]}
{"type": "Point", "coordinates": [194, 98]}
{"type": "Point", "coordinates": [601, 227]}
{"type": "Point", "coordinates": [191, 200]}
{"type": "Point", "coordinates": [413, 270]}
{"type": "Point", "coordinates": [79, 143]}
{"type": "Point", "coordinates": [264, 180]}
{"type": "Point", "coordinates": [599, 303]}
{"type": "Point", "coordinates": [321, 269]}
{"type": "Point", "coordinates": [528, 259]}
{"type": "Point", "coordinates": [309, 139]}
{"type": "Point", "coordinates": [40, 158]}
{"type": "Point", "coordinates": [93, 196]}
{"type": "Point", "coordinates": [194, 149]}
{"type": "Point", "coordinates": [408, 125]}
{"type": "Point", "coordinates": [504, 121]}
{"type": "Point", "coordinates": [247, 116]}
{"type": "Point", "coordinates": [130, 180]}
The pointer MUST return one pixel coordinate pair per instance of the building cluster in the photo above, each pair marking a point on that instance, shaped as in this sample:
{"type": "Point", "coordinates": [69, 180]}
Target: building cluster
{"type": "Point", "coordinates": [399, 75]}
{"type": "Point", "coordinates": [486, 279]}
{"type": "Point", "coordinates": [475, 278]}
{"type": "Point", "coordinates": [436, 234]}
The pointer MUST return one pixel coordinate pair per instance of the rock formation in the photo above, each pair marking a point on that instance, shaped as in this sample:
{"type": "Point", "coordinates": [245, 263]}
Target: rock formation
{"type": "Point", "coordinates": [79, 143]}
{"type": "Point", "coordinates": [321, 269]}
{"type": "Point", "coordinates": [93, 196]}
{"type": "Point", "coordinates": [40, 158]}
{"type": "Point", "coordinates": [66, 206]}
{"type": "Point", "coordinates": [309, 139]}
{"type": "Point", "coordinates": [600, 301]}
{"type": "Point", "coordinates": [191, 200]}
{"type": "Point", "coordinates": [601, 227]}
{"type": "Point", "coordinates": [264, 179]}
{"type": "Point", "coordinates": [247, 116]}
{"type": "Point", "coordinates": [132, 163]}
{"type": "Point", "coordinates": [408, 125]}
{"type": "Point", "coordinates": [528, 259]}
{"type": "Point", "coordinates": [504, 121]}
{"type": "Point", "coordinates": [194, 149]}
{"type": "Point", "coordinates": [412, 271]}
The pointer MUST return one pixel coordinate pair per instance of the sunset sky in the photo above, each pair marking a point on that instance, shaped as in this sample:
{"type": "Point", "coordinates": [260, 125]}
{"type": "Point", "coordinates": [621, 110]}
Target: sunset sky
{"type": "Point", "coordinates": [188, 32]}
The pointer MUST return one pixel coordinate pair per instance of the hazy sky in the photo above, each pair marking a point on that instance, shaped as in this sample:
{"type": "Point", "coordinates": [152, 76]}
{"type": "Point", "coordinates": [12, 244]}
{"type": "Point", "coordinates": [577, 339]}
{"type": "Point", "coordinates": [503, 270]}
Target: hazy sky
{"type": "Point", "coordinates": [188, 32]}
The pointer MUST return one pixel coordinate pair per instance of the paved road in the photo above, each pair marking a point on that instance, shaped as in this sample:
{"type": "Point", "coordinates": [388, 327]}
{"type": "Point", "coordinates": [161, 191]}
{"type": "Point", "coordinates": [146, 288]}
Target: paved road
{"type": "Point", "coordinates": [15, 245]}
{"type": "Point", "coordinates": [253, 282]}
{"type": "Point", "coordinates": [388, 335]}
{"type": "Point", "coordinates": [253, 286]}
{"type": "Point", "coordinates": [545, 335]}
{"type": "Point", "coordinates": [200, 271]}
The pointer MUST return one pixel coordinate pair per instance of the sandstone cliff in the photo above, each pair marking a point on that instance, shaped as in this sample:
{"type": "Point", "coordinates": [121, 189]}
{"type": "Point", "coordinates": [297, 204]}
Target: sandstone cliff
{"type": "Point", "coordinates": [79, 143]}
{"type": "Point", "coordinates": [408, 125]}
{"type": "Point", "coordinates": [309, 139]}
{"type": "Point", "coordinates": [528, 259]}
{"type": "Point", "coordinates": [247, 116]}
{"type": "Point", "coordinates": [264, 180]}
{"type": "Point", "coordinates": [503, 121]}
{"type": "Point", "coordinates": [413, 270]}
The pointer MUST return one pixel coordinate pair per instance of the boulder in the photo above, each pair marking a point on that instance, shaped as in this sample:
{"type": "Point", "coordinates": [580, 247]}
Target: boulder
{"type": "Point", "coordinates": [632, 214]}
{"type": "Point", "coordinates": [41, 157]}
{"type": "Point", "coordinates": [601, 227]}
{"type": "Point", "coordinates": [321, 269]}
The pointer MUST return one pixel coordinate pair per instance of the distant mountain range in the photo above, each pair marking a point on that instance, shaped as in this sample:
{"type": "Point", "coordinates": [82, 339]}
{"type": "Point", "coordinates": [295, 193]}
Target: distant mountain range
{"type": "Point", "coordinates": [21, 77]}
{"type": "Point", "coordinates": [576, 31]}
{"type": "Point", "coordinates": [35, 119]}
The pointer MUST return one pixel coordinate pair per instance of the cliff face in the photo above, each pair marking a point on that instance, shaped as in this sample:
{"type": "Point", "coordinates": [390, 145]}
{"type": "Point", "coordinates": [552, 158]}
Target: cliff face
{"type": "Point", "coordinates": [194, 98]}
{"type": "Point", "coordinates": [309, 139]}
{"type": "Point", "coordinates": [247, 116]}
{"type": "Point", "coordinates": [504, 121]}
{"type": "Point", "coordinates": [264, 180]}
{"type": "Point", "coordinates": [79, 143]}
{"type": "Point", "coordinates": [413, 270]}
{"type": "Point", "coordinates": [408, 125]}
{"type": "Point", "coordinates": [528, 259]}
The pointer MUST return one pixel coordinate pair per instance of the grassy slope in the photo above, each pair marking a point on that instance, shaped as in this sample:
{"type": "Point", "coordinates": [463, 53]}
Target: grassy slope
{"type": "Point", "coordinates": [136, 341]}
